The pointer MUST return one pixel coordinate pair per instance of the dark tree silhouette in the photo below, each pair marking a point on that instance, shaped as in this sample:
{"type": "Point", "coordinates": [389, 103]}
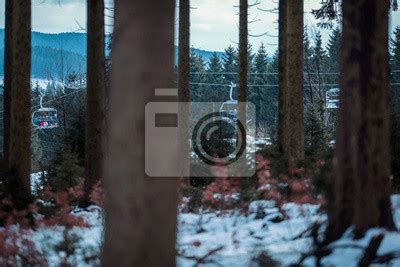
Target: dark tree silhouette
{"type": "Point", "coordinates": [18, 100]}
{"type": "Point", "coordinates": [361, 181]}
{"type": "Point", "coordinates": [283, 119]}
{"type": "Point", "coordinates": [95, 95]}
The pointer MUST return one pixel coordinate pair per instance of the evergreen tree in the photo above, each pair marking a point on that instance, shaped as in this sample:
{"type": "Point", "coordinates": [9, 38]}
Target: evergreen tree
{"type": "Point", "coordinates": [273, 95]}
{"type": "Point", "coordinates": [294, 148]}
{"type": "Point", "coordinates": [243, 62]}
{"type": "Point", "coordinates": [308, 53]}
{"type": "Point", "coordinates": [17, 115]}
{"type": "Point", "coordinates": [361, 196]}
{"type": "Point", "coordinates": [229, 65]}
{"type": "Point", "coordinates": [333, 50]}
{"type": "Point", "coordinates": [197, 77]}
{"type": "Point", "coordinates": [36, 149]}
{"type": "Point", "coordinates": [395, 105]}
{"type": "Point", "coordinates": [95, 96]}
{"type": "Point", "coordinates": [214, 76]}
{"type": "Point", "coordinates": [259, 95]}
{"type": "Point", "coordinates": [283, 99]}
{"type": "Point", "coordinates": [319, 61]}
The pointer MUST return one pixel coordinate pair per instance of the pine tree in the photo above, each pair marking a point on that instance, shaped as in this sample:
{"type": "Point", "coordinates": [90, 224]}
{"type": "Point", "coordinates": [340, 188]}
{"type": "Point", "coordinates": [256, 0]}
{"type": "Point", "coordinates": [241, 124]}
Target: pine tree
{"type": "Point", "coordinates": [395, 105]}
{"type": "Point", "coordinates": [36, 148]}
{"type": "Point", "coordinates": [260, 96]}
{"type": "Point", "coordinates": [283, 99]}
{"type": "Point", "coordinates": [362, 171]}
{"type": "Point", "coordinates": [17, 101]}
{"type": "Point", "coordinates": [308, 69]}
{"type": "Point", "coordinates": [197, 77]}
{"type": "Point", "coordinates": [319, 59]}
{"type": "Point", "coordinates": [295, 79]}
{"type": "Point", "coordinates": [95, 96]}
{"type": "Point", "coordinates": [184, 51]}
{"type": "Point", "coordinates": [229, 65]}
{"type": "Point", "coordinates": [333, 49]}
{"type": "Point", "coordinates": [243, 62]}
{"type": "Point", "coordinates": [314, 118]}
{"type": "Point", "coordinates": [214, 76]}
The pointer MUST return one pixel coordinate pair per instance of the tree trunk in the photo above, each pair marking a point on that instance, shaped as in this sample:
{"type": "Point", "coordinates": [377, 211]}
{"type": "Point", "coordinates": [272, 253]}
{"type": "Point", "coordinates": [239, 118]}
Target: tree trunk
{"type": "Point", "coordinates": [7, 77]}
{"type": "Point", "coordinates": [295, 79]}
{"type": "Point", "coordinates": [18, 96]}
{"type": "Point", "coordinates": [184, 51]}
{"type": "Point", "coordinates": [184, 81]}
{"type": "Point", "coordinates": [140, 210]}
{"type": "Point", "coordinates": [243, 60]}
{"type": "Point", "coordinates": [283, 118]}
{"type": "Point", "coordinates": [362, 184]}
{"type": "Point", "coordinates": [95, 95]}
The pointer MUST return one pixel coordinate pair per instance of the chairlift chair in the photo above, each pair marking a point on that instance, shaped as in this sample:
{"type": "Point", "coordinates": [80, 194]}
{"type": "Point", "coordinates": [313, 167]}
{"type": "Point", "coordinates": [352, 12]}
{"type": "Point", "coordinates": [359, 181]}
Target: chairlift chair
{"type": "Point", "coordinates": [44, 118]}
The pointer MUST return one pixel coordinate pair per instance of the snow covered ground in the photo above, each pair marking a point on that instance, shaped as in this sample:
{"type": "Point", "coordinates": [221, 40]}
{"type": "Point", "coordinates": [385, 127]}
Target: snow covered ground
{"type": "Point", "coordinates": [239, 239]}
{"type": "Point", "coordinates": [230, 238]}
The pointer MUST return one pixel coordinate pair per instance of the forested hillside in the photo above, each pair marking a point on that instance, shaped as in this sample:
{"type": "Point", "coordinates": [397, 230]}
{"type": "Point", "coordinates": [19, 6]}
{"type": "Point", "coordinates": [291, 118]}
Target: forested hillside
{"type": "Point", "coordinates": [53, 54]}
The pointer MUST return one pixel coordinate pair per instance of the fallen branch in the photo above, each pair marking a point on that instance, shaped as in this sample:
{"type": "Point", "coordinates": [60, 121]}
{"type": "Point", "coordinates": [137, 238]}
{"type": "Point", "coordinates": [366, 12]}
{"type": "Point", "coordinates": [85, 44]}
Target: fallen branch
{"type": "Point", "coordinates": [370, 251]}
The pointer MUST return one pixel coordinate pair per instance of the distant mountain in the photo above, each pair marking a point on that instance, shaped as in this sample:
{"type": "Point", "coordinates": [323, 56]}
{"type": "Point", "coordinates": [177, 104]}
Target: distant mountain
{"type": "Point", "coordinates": [69, 41]}
{"type": "Point", "coordinates": [55, 54]}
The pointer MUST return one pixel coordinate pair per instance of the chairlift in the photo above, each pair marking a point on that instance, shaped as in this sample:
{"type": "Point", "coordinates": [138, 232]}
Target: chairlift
{"type": "Point", "coordinates": [44, 118]}
{"type": "Point", "coordinates": [229, 108]}
{"type": "Point", "coordinates": [332, 98]}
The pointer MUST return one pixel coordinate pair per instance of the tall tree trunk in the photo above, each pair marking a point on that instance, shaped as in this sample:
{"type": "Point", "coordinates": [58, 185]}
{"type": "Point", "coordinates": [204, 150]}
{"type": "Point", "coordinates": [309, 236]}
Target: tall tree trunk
{"type": "Point", "coordinates": [95, 94]}
{"type": "Point", "coordinates": [141, 210]}
{"type": "Point", "coordinates": [184, 81]}
{"type": "Point", "coordinates": [243, 59]}
{"type": "Point", "coordinates": [7, 78]}
{"type": "Point", "coordinates": [295, 79]}
{"type": "Point", "coordinates": [362, 184]}
{"type": "Point", "coordinates": [18, 96]}
{"type": "Point", "coordinates": [283, 115]}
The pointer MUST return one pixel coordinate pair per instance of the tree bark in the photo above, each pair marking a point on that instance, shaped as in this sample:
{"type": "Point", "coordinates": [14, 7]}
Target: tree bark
{"type": "Point", "coordinates": [362, 184]}
{"type": "Point", "coordinates": [243, 69]}
{"type": "Point", "coordinates": [243, 60]}
{"type": "Point", "coordinates": [95, 98]}
{"type": "Point", "coordinates": [184, 51]}
{"type": "Point", "coordinates": [295, 79]}
{"type": "Point", "coordinates": [184, 81]}
{"type": "Point", "coordinates": [18, 96]}
{"type": "Point", "coordinates": [140, 210]}
{"type": "Point", "coordinates": [283, 123]}
{"type": "Point", "coordinates": [7, 78]}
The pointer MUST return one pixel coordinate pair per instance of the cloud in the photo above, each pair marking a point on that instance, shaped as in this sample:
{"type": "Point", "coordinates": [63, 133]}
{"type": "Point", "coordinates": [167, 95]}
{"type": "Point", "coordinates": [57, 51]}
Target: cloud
{"type": "Point", "coordinates": [214, 22]}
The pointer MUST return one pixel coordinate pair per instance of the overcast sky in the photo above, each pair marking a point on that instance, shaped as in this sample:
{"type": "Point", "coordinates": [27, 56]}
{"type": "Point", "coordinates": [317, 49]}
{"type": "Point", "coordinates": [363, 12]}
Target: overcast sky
{"type": "Point", "coordinates": [214, 22]}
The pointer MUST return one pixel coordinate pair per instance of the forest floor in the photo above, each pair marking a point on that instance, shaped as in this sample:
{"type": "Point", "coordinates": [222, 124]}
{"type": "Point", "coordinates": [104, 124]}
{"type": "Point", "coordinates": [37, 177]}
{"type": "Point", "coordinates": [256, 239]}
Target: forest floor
{"type": "Point", "coordinates": [230, 238]}
{"type": "Point", "coordinates": [263, 236]}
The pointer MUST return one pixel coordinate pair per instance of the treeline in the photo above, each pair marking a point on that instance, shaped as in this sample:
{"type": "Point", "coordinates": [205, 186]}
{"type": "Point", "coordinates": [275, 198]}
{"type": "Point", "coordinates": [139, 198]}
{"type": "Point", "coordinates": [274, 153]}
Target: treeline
{"type": "Point", "coordinates": [49, 63]}
{"type": "Point", "coordinates": [209, 81]}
